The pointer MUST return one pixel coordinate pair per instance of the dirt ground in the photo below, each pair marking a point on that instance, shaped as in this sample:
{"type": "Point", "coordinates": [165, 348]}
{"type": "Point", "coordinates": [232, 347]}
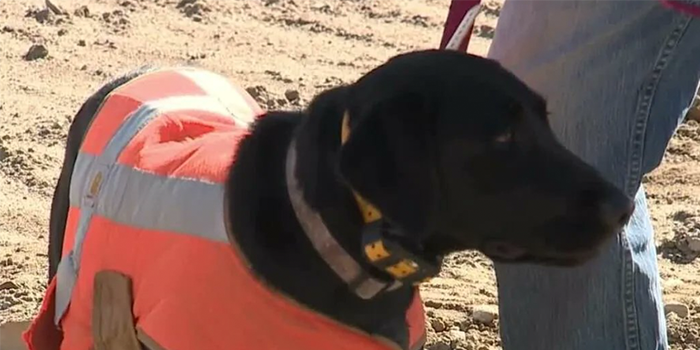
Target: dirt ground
{"type": "Point", "coordinates": [277, 48]}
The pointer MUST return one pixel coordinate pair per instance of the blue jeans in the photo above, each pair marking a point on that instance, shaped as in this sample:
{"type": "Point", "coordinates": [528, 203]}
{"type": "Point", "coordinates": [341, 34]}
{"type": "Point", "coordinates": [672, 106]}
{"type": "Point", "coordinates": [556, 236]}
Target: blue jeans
{"type": "Point", "coordinates": [618, 76]}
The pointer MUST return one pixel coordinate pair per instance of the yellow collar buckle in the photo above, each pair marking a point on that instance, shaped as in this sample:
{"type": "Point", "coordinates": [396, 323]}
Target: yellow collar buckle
{"type": "Point", "coordinates": [386, 254]}
{"type": "Point", "coordinates": [393, 258]}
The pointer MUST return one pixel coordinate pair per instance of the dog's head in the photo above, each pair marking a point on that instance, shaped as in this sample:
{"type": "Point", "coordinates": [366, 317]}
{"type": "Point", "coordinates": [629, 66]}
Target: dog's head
{"type": "Point", "coordinates": [457, 152]}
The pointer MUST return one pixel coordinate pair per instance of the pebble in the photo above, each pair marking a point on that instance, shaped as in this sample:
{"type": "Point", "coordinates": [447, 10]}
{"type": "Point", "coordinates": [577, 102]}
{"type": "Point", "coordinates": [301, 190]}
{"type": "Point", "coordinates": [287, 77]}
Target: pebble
{"type": "Point", "coordinates": [694, 244]}
{"type": "Point", "coordinates": [7, 262]}
{"type": "Point", "coordinates": [694, 112]}
{"type": "Point", "coordinates": [485, 314]}
{"type": "Point", "coordinates": [82, 11]}
{"type": "Point", "coordinates": [43, 16]}
{"type": "Point", "coordinates": [35, 52]}
{"type": "Point", "coordinates": [258, 92]}
{"type": "Point", "coordinates": [677, 308]}
{"type": "Point", "coordinates": [8, 285]}
{"type": "Point", "coordinates": [291, 95]}
{"type": "Point", "coordinates": [456, 334]}
{"type": "Point", "coordinates": [438, 325]}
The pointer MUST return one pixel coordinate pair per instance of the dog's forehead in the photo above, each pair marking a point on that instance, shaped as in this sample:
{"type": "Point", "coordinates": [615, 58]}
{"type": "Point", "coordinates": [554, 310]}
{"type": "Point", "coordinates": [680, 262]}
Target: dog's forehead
{"type": "Point", "coordinates": [481, 108]}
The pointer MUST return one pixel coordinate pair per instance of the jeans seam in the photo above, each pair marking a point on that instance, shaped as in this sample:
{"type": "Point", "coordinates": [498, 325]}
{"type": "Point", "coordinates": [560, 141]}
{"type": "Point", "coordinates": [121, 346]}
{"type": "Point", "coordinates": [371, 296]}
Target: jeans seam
{"type": "Point", "coordinates": [634, 173]}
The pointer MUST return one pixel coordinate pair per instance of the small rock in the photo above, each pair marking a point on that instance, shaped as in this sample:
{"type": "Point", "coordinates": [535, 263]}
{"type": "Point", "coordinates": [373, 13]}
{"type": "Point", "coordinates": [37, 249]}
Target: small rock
{"type": "Point", "coordinates": [4, 153]}
{"type": "Point", "coordinates": [677, 308]}
{"type": "Point", "coordinates": [8, 285]}
{"type": "Point", "coordinates": [440, 345]}
{"type": "Point", "coordinates": [292, 95]}
{"type": "Point", "coordinates": [194, 9]}
{"type": "Point", "coordinates": [43, 16]}
{"type": "Point", "coordinates": [7, 262]}
{"type": "Point", "coordinates": [62, 32]}
{"type": "Point", "coordinates": [694, 244]}
{"type": "Point", "coordinates": [184, 3]}
{"type": "Point", "coordinates": [82, 43]}
{"type": "Point", "coordinates": [254, 91]}
{"type": "Point", "coordinates": [82, 11]}
{"type": "Point", "coordinates": [54, 7]}
{"type": "Point", "coordinates": [485, 314]}
{"type": "Point", "coordinates": [694, 112]}
{"type": "Point", "coordinates": [457, 335]}
{"type": "Point", "coordinates": [438, 325]}
{"type": "Point", "coordinates": [35, 52]}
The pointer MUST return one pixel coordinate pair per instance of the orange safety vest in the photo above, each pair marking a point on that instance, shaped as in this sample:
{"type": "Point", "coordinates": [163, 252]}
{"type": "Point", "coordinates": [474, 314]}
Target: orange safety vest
{"type": "Point", "coordinates": [169, 137]}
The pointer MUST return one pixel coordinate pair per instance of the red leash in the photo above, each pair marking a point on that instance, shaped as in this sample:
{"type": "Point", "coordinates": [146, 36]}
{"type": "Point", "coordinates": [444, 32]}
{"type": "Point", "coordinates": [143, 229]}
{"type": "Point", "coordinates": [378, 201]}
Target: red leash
{"type": "Point", "coordinates": [461, 15]}
{"type": "Point", "coordinates": [459, 24]}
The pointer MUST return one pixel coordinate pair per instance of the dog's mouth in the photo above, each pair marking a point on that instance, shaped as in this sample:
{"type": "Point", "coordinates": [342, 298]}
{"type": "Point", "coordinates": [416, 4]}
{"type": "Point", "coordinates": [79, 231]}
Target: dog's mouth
{"type": "Point", "coordinates": [505, 252]}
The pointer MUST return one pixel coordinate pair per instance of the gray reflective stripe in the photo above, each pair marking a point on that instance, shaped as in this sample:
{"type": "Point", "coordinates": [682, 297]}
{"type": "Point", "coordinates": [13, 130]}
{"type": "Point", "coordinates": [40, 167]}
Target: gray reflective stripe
{"type": "Point", "coordinates": [133, 195]}
{"type": "Point", "coordinates": [137, 198]}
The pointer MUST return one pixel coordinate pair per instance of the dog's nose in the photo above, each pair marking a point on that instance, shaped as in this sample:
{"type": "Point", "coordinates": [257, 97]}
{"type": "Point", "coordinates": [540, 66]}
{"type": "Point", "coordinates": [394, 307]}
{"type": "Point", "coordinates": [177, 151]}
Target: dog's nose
{"type": "Point", "coordinates": [612, 207]}
{"type": "Point", "coordinates": [616, 211]}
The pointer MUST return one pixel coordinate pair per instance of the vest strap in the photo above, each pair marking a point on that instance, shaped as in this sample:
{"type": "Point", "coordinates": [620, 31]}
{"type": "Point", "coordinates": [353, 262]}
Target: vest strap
{"type": "Point", "coordinates": [112, 320]}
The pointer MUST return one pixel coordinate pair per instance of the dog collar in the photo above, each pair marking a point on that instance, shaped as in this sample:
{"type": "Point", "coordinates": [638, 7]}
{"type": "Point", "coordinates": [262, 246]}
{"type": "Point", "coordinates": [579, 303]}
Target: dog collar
{"type": "Point", "coordinates": [381, 251]}
{"type": "Point", "coordinates": [342, 263]}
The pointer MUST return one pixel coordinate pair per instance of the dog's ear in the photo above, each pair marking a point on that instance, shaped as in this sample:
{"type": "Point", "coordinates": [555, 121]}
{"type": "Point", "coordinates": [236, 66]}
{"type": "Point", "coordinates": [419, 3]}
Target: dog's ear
{"type": "Point", "coordinates": [390, 159]}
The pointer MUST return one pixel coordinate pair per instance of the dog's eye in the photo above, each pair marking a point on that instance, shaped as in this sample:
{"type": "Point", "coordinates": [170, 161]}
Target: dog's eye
{"type": "Point", "coordinates": [505, 137]}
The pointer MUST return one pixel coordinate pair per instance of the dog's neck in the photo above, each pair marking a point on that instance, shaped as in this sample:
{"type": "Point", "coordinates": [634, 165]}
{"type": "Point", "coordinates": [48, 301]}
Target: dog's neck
{"type": "Point", "coordinates": [266, 228]}
{"type": "Point", "coordinates": [347, 268]}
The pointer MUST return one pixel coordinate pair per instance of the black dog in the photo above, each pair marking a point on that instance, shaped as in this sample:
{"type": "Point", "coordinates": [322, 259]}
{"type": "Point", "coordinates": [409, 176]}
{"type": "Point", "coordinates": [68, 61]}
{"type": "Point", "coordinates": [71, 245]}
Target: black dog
{"type": "Point", "coordinates": [455, 152]}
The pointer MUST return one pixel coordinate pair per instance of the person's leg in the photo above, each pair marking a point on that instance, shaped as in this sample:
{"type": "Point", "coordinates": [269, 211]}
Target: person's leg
{"type": "Point", "coordinates": [617, 75]}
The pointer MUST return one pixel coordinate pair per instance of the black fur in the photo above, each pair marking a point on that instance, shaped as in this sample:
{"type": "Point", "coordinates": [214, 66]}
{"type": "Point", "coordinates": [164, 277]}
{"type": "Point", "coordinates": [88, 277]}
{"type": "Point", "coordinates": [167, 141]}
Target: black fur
{"type": "Point", "coordinates": [452, 148]}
